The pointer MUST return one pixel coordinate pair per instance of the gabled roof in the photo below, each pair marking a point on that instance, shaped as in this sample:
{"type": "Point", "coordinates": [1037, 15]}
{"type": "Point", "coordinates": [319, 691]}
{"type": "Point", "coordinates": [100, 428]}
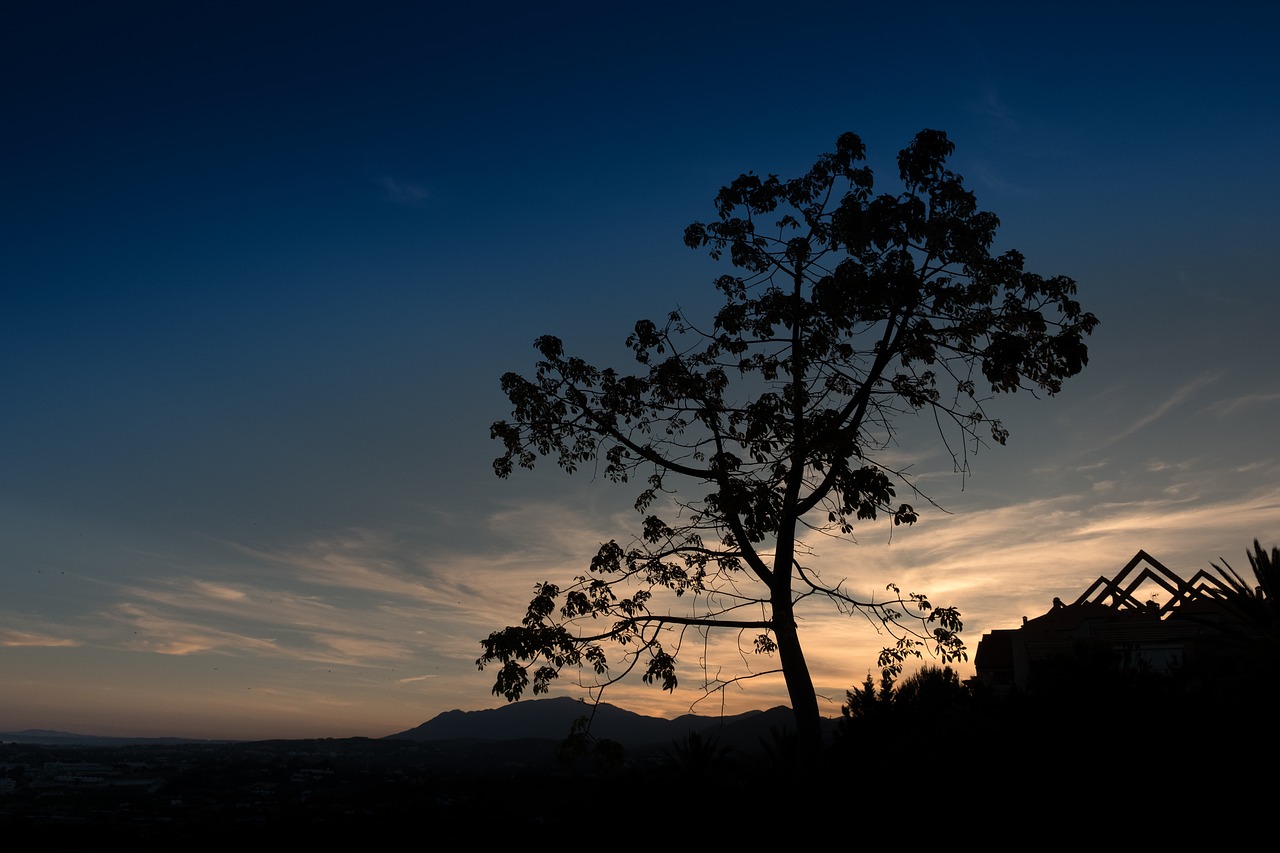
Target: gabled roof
{"type": "Point", "coordinates": [1111, 613]}
{"type": "Point", "coordinates": [1120, 590]}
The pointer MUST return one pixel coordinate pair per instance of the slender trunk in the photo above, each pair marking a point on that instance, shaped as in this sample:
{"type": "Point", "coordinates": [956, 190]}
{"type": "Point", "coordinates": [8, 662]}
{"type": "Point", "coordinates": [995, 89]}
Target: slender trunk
{"type": "Point", "coordinates": [804, 700]}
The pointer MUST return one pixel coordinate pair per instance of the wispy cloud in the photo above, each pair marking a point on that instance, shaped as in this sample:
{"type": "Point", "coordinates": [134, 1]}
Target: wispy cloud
{"type": "Point", "coordinates": [994, 179]}
{"type": "Point", "coordinates": [1178, 396]}
{"type": "Point", "coordinates": [358, 597]}
{"type": "Point", "coordinates": [352, 649]}
{"type": "Point", "coordinates": [15, 639]}
{"type": "Point", "coordinates": [218, 591]}
{"type": "Point", "coordinates": [156, 631]}
{"type": "Point", "coordinates": [404, 192]}
{"type": "Point", "coordinates": [363, 560]}
{"type": "Point", "coordinates": [1233, 405]}
{"type": "Point", "coordinates": [416, 678]}
{"type": "Point", "coordinates": [1209, 289]}
{"type": "Point", "coordinates": [994, 108]}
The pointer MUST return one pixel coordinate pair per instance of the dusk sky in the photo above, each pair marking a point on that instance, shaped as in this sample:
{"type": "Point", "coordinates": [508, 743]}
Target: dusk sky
{"type": "Point", "coordinates": [263, 265]}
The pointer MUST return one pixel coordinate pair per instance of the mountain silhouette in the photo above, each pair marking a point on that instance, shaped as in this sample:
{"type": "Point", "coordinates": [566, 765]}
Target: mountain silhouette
{"type": "Point", "coordinates": [553, 719]}
{"type": "Point", "coordinates": [52, 737]}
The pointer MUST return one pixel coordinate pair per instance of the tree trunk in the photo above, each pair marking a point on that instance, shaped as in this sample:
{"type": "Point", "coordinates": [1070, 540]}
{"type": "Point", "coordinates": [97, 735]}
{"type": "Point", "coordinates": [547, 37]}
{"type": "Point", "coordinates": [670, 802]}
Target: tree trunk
{"type": "Point", "coordinates": [804, 700]}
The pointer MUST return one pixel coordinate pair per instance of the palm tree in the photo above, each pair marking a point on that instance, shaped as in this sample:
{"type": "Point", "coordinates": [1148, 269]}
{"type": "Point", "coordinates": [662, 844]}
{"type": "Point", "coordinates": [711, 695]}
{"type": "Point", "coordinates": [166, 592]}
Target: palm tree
{"type": "Point", "coordinates": [1256, 603]}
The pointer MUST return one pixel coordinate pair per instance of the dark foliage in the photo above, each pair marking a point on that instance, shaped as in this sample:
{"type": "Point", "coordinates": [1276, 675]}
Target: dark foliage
{"type": "Point", "coordinates": [1256, 603]}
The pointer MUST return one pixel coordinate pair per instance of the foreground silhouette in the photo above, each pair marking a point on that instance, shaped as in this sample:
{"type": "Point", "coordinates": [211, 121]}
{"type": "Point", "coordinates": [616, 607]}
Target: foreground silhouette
{"type": "Point", "coordinates": [754, 429]}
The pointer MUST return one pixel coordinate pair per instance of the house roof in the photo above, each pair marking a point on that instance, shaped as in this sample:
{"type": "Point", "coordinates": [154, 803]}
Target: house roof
{"type": "Point", "coordinates": [1110, 612]}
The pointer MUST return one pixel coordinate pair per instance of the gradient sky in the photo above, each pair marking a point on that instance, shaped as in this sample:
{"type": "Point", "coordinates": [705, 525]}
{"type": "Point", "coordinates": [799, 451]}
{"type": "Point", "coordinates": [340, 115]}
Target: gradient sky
{"type": "Point", "coordinates": [263, 264]}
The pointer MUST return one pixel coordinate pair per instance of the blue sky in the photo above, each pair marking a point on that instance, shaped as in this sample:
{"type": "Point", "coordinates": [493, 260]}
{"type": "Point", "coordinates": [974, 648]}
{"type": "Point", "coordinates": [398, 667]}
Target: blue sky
{"type": "Point", "coordinates": [263, 264]}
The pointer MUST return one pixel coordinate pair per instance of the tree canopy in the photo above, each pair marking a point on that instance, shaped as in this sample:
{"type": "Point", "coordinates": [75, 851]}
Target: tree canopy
{"type": "Point", "coordinates": [752, 433]}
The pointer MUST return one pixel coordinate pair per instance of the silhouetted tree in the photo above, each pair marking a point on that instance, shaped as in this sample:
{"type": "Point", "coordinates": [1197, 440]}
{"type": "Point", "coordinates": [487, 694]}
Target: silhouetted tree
{"type": "Point", "coordinates": [865, 703]}
{"type": "Point", "coordinates": [932, 692]}
{"type": "Point", "coordinates": [757, 432]}
{"type": "Point", "coordinates": [921, 725]}
{"type": "Point", "coordinates": [930, 695]}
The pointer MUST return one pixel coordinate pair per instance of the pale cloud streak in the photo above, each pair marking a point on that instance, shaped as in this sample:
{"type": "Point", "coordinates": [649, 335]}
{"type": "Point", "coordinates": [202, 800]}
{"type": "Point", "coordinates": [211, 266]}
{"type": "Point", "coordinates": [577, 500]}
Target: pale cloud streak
{"type": "Point", "coordinates": [359, 598]}
{"type": "Point", "coordinates": [1231, 406]}
{"type": "Point", "coordinates": [406, 193]}
{"type": "Point", "coordinates": [27, 639]}
{"type": "Point", "coordinates": [162, 633]}
{"type": "Point", "coordinates": [1178, 396]}
{"type": "Point", "coordinates": [416, 678]}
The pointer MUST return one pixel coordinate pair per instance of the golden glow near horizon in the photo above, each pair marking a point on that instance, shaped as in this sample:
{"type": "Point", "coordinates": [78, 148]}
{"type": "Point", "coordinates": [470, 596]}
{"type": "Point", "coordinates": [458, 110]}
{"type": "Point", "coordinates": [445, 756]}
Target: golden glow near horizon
{"type": "Point", "coordinates": [304, 661]}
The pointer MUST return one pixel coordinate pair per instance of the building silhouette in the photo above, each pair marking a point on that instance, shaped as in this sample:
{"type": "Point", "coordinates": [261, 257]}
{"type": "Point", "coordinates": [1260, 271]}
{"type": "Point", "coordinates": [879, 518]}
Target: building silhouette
{"type": "Point", "coordinates": [1118, 624]}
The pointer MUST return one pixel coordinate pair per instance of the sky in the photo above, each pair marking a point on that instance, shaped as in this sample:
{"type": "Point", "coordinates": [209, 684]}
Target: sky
{"type": "Point", "coordinates": [263, 264]}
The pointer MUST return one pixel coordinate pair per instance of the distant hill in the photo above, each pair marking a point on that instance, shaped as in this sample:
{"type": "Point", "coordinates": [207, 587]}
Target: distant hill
{"type": "Point", "coordinates": [47, 737]}
{"type": "Point", "coordinates": [528, 720]}
{"type": "Point", "coordinates": [552, 719]}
